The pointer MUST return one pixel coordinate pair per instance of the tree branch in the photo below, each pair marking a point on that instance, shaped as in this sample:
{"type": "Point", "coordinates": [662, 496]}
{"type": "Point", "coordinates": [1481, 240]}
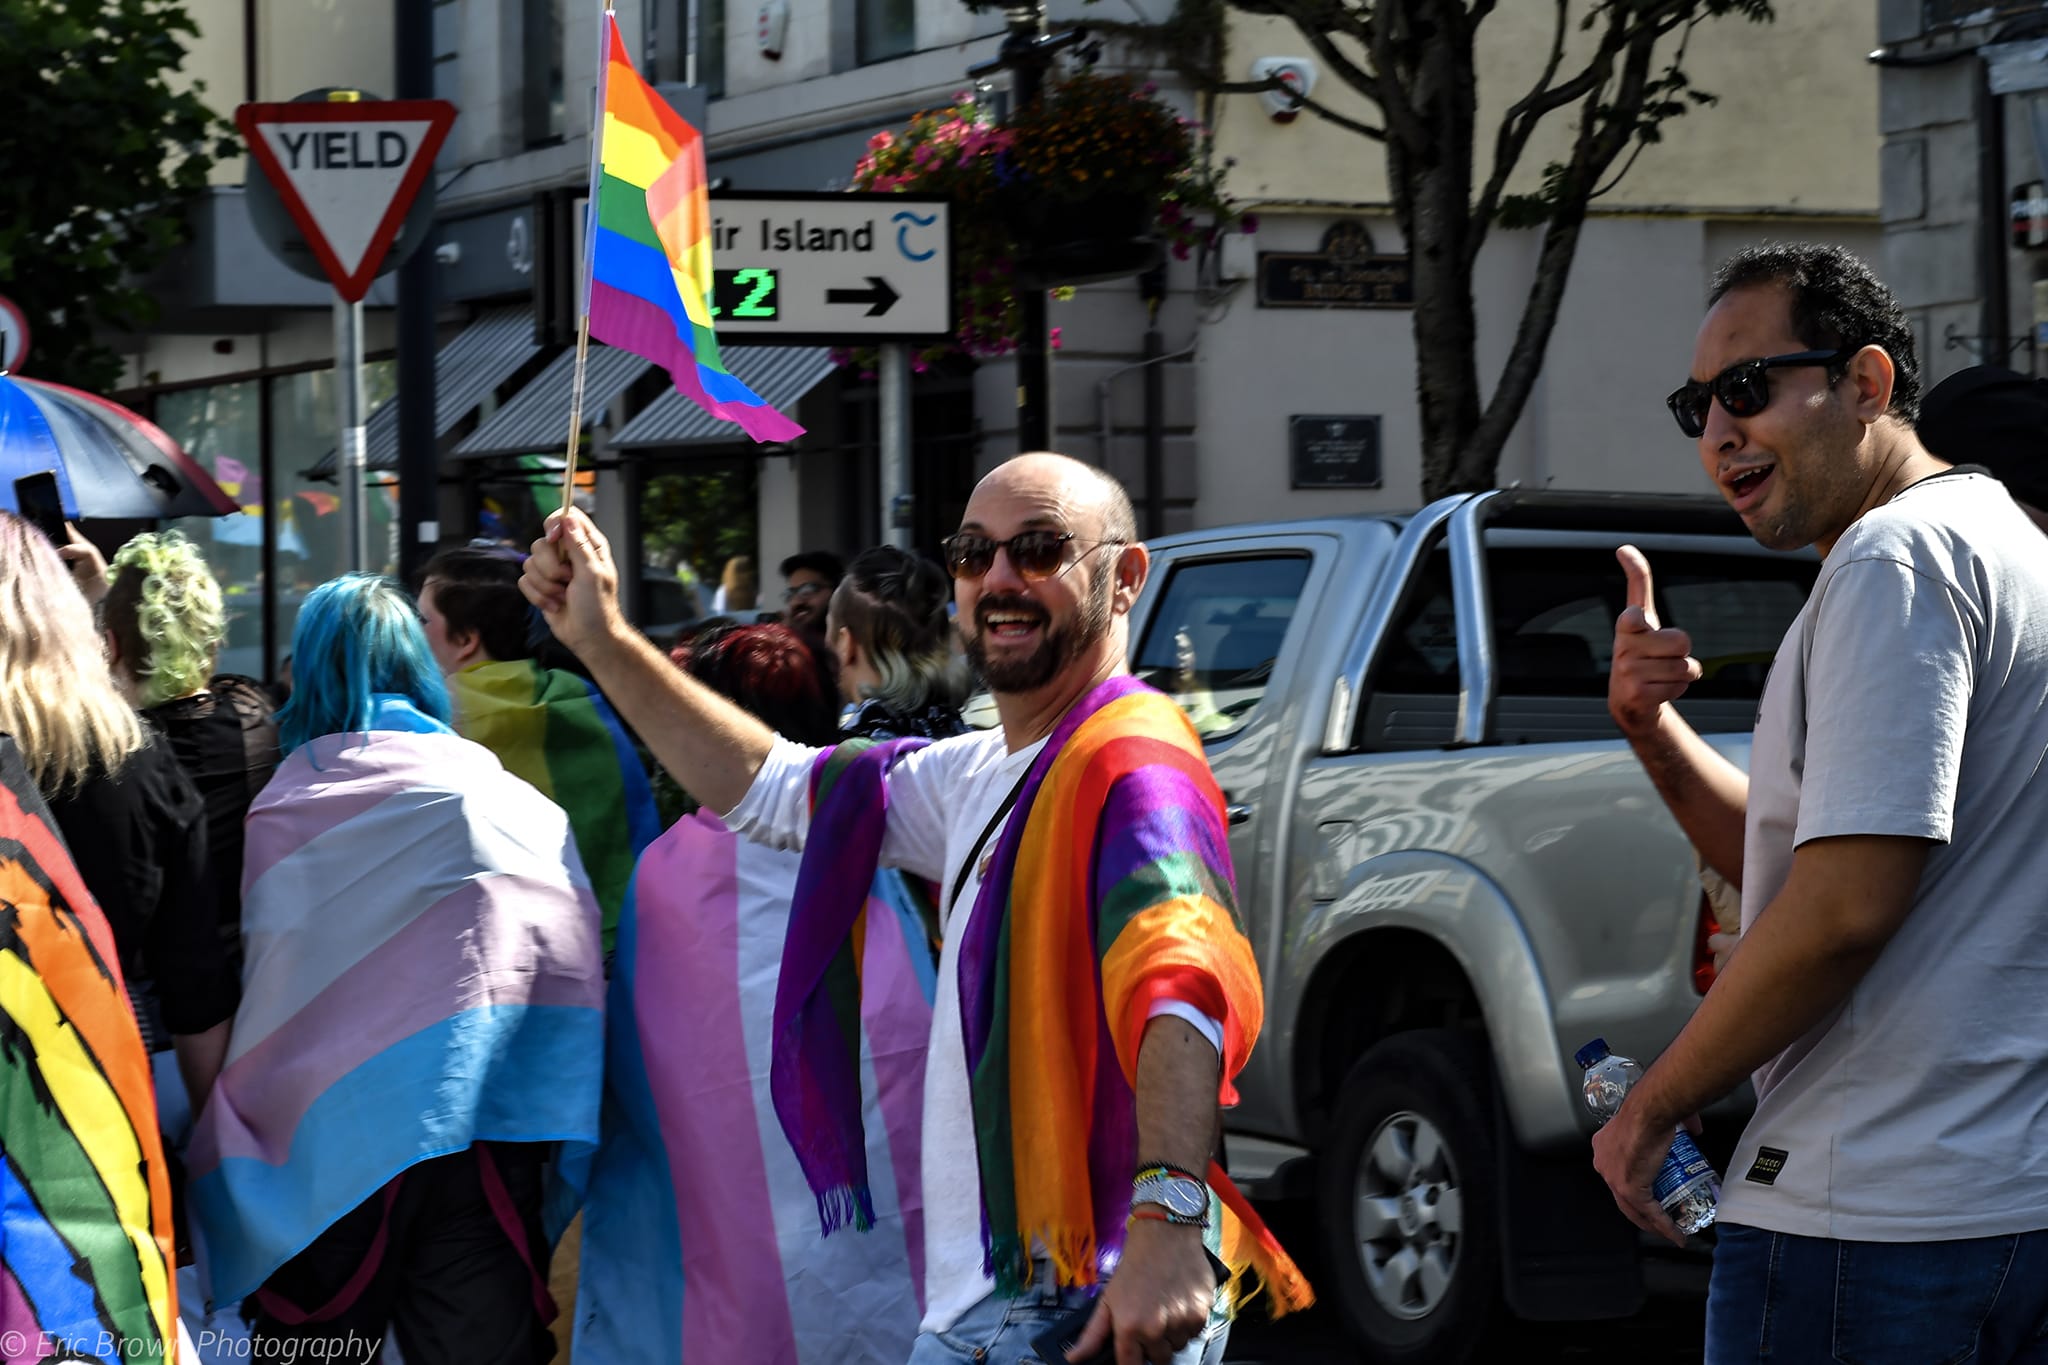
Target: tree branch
{"type": "Point", "coordinates": [1402, 118]}
{"type": "Point", "coordinates": [1515, 128]}
{"type": "Point", "coordinates": [1320, 110]}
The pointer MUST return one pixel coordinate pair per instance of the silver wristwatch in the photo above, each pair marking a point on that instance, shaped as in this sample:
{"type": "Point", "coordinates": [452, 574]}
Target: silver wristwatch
{"type": "Point", "coordinates": [1185, 1199]}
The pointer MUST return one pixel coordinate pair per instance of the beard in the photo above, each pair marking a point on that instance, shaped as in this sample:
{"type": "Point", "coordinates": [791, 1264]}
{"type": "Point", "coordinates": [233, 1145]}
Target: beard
{"type": "Point", "coordinates": [1058, 645]}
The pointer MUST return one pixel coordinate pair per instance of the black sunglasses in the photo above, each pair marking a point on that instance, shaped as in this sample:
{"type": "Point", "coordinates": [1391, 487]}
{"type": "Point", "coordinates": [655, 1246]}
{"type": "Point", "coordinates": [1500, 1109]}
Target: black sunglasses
{"type": "Point", "coordinates": [1744, 388]}
{"type": "Point", "coordinates": [1037, 555]}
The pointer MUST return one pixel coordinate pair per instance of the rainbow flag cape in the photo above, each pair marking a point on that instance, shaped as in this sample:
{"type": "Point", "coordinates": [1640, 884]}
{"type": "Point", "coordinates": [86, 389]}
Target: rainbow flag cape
{"type": "Point", "coordinates": [556, 731]}
{"type": "Point", "coordinates": [650, 246]}
{"type": "Point", "coordinates": [422, 972]}
{"type": "Point", "coordinates": [86, 1259]}
{"type": "Point", "coordinates": [700, 1237]}
{"type": "Point", "coordinates": [1110, 888]}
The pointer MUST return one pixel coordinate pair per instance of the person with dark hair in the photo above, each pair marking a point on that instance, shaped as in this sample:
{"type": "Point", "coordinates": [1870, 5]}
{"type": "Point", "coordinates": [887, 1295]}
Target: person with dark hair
{"type": "Point", "coordinates": [1997, 420]}
{"type": "Point", "coordinates": [892, 638]}
{"type": "Point", "coordinates": [694, 1165]}
{"type": "Point", "coordinates": [422, 1022]}
{"type": "Point", "coordinates": [1889, 1196]}
{"type": "Point", "coordinates": [809, 580]}
{"type": "Point", "coordinates": [550, 726]}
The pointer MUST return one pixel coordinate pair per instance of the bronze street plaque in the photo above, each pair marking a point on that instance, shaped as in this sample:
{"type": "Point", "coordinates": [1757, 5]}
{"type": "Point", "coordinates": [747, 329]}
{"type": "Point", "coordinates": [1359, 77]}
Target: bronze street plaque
{"type": "Point", "coordinates": [1346, 273]}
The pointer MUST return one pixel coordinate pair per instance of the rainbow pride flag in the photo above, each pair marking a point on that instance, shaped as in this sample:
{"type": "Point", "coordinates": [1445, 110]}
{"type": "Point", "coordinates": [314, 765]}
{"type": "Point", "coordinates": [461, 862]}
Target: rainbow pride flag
{"type": "Point", "coordinates": [556, 731]}
{"type": "Point", "coordinates": [86, 1265]}
{"type": "Point", "coordinates": [700, 1237]}
{"type": "Point", "coordinates": [422, 973]}
{"type": "Point", "coordinates": [650, 246]}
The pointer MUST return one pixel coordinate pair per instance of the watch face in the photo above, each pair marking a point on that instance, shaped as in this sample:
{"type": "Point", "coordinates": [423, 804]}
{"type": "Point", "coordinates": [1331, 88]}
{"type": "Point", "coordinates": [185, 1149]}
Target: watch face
{"type": "Point", "coordinates": [1185, 1198]}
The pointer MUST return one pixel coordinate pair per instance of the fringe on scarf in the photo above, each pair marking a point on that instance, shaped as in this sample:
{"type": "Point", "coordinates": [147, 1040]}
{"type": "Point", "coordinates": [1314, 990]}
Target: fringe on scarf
{"type": "Point", "coordinates": [844, 1206]}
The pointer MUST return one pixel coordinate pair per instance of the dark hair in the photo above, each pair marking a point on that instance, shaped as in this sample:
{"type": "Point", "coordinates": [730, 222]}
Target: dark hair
{"type": "Point", "coordinates": [1998, 418]}
{"type": "Point", "coordinates": [477, 593]}
{"type": "Point", "coordinates": [821, 562]}
{"type": "Point", "coordinates": [770, 671]}
{"type": "Point", "coordinates": [895, 605]}
{"type": "Point", "coordinates": [1836, 302]}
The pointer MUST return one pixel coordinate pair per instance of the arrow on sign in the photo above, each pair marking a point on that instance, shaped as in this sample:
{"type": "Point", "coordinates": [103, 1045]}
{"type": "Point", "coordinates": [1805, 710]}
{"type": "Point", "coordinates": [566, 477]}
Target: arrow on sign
{"type": "Point", "coordinates": [878, 296]}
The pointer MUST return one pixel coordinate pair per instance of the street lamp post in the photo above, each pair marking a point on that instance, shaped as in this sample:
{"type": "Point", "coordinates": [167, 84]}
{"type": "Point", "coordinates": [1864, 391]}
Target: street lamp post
{"type": "Point", "coordinates": [1027, 52]}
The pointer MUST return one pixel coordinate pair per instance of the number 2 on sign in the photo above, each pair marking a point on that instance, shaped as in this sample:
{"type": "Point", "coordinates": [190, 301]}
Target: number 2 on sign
{"type": "Point", "coordinates": [757, 288]}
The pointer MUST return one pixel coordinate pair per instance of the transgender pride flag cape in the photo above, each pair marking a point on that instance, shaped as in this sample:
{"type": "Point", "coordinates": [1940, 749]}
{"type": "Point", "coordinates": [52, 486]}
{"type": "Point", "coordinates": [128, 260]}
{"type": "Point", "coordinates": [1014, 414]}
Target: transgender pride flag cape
{"type": "Point", "coordinates": [422, 973]}
{"type": "Point", "coordinates": [694, 1171]}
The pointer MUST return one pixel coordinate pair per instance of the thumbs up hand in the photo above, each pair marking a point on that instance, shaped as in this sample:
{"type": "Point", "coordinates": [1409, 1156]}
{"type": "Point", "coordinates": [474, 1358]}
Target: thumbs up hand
{"type": "Point", "coordinates": [1651, 665]}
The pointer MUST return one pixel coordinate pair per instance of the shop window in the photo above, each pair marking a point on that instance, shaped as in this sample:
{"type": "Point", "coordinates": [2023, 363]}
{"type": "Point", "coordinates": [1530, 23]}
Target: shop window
{"type": "Point", "coordinates": [692, 526]}
{"type": "Point", "coordinates": [883, 29]}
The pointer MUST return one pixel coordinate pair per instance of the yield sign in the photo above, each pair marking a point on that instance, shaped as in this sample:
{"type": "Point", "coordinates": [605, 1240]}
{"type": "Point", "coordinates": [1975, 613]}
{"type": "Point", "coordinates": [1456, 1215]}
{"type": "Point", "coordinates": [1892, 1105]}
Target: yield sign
{"type": "Point", "coordinates": [348, 173]}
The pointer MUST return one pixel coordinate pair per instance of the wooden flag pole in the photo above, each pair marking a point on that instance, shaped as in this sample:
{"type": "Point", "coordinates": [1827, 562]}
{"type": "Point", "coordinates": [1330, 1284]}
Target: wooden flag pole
{"type": "Point", "coordinates": [597, 107]}
{"type": "Point", "coordinates": [576, 408]}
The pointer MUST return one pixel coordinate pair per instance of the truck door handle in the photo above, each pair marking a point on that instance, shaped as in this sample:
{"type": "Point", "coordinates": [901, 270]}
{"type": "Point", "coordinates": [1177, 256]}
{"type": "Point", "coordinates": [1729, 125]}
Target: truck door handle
{"type": "Point", "coordinates": [1237, 813]}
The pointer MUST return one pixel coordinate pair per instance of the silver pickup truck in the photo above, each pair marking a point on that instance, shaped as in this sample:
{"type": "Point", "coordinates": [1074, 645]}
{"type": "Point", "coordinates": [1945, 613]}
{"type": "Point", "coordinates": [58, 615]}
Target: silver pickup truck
{"type": "Point", "coordinates": [1454, 873]}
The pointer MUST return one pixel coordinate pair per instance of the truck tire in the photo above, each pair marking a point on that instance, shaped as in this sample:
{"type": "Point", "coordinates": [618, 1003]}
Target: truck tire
{"type": "Point", "coordinates": [1408, 1200]}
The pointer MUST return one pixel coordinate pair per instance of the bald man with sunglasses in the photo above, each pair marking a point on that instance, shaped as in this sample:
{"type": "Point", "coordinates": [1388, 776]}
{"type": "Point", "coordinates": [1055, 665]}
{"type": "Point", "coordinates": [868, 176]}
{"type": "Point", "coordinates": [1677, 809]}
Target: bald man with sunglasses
{"type": "Point", "coordinates": [1889, 1198]}
{"type": "Point", "coordinates": [1047, 565]}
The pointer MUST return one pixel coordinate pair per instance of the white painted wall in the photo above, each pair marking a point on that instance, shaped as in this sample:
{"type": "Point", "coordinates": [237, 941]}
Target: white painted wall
{"type": "Point", "coordinates": [1596, 420]}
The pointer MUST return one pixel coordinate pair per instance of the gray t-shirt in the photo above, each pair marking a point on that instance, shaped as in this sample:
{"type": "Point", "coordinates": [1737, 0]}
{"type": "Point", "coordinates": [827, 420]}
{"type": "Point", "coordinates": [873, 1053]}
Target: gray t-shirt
{"type": "Point", "coordinates": [1910, 697]}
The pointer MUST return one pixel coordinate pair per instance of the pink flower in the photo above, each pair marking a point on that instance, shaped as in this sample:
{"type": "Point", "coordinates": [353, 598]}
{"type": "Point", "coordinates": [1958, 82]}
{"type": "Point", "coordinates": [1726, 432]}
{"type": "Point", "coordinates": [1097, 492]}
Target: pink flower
{"type": "Point", "coordinates": [1250, 223]}
{"type": "Point", "coordinates": [881, 141]}
{"type": "Point", "coordinates": [1053, 338]}
{"type": "Point", "coordinates": [1180, 251]}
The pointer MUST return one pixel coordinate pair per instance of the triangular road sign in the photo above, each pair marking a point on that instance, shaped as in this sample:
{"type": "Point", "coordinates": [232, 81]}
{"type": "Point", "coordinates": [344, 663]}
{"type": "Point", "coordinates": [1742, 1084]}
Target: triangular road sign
{"type": "Point", "coordinates": [348, 173]}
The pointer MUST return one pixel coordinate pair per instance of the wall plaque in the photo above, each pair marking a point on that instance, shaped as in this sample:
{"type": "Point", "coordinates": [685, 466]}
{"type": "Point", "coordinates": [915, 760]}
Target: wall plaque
{"type": "Point", "coordinates": [1346, 273]}
{"type": "Point", "coordinates": [1335, 451]}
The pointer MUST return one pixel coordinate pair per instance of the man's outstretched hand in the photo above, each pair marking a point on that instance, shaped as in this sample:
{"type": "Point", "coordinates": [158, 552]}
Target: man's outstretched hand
{"type": "Point", "coordinates": [1651, 665]}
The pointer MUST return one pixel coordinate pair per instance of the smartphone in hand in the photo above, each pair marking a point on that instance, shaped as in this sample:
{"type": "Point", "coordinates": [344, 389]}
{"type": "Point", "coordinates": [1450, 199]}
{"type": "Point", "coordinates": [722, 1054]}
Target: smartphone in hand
{"type": "Point", "coordinates": [41, 504]}
{"type": "Point", "coordinates": [1051, 1345]}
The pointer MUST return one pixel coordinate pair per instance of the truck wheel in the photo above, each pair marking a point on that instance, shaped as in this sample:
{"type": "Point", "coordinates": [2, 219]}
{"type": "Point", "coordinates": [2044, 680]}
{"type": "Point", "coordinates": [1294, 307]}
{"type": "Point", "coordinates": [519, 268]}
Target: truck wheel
{"type": "Point", "coordinates": [1408, 1199]}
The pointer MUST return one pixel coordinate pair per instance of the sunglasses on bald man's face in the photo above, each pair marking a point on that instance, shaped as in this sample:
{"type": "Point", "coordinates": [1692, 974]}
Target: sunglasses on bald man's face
{"type": "Point", "coordinates": [1036, 555]}
{"type": "Point", "coordinates": [1743, 389]}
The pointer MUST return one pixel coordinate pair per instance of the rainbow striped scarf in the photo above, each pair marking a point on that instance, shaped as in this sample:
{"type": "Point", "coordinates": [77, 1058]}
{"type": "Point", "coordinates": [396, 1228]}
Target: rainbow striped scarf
{"type": "Point", "coordinates": [85, 1208]}
{"type": "Point", "coordinates": [1109, 889]}
{"type": "Point", "coordinates": [556, 731]}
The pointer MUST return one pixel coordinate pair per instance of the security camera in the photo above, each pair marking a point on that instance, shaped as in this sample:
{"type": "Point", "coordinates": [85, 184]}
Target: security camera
{"type": "Point", "coordinates": [1297, 77]}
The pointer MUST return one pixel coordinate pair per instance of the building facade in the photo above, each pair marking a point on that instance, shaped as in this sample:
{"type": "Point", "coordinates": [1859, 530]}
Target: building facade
{"type": "Point", "coordinates": [1273, 400]}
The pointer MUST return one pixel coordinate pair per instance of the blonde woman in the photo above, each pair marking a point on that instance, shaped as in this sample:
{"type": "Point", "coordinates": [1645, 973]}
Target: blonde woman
{"type": "Point", "coordinates": [135, 825]}
{"type": "Point", "coordinates": [165, 620]}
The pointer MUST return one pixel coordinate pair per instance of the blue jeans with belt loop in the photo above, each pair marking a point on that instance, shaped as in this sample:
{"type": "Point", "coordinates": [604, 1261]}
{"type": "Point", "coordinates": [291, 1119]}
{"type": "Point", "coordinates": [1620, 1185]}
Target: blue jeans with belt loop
{"type": "Point", "coordinates": [1811, 1300]}
{"type": "Point", "coordinates": [999, 1331]}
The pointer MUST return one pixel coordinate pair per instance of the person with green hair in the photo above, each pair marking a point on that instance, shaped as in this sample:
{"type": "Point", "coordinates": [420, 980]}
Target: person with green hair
{"type": "Point", "coordinates": [165, 619]}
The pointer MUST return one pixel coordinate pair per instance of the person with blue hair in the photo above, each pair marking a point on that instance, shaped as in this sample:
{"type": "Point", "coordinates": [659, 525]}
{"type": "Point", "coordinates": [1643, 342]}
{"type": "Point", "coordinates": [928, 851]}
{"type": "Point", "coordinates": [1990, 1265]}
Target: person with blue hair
{"type": "Point", "coordinates": [422, 1018]}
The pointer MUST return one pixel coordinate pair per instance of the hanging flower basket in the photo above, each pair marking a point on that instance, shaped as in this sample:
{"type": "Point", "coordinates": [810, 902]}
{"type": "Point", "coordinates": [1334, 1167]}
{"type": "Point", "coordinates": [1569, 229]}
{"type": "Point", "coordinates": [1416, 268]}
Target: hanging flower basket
{"type": "Point", "coordinates": [1095, 180]}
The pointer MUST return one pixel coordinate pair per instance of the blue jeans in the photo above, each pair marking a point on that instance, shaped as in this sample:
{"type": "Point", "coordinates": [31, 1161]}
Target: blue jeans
{"type": "Point", "coordinates": [999, 1331]}
{"type": "Point", "coordinates": [1811, 1300]}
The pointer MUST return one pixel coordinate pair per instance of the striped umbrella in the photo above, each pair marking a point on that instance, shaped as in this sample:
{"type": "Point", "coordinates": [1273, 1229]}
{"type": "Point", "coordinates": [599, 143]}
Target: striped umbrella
{"type": "Point", "coordinates": [110, 462]}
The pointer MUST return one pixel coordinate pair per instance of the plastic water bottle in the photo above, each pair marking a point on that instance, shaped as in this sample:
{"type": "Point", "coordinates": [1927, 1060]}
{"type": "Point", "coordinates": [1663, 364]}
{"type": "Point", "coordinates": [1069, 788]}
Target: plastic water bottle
{"type": "Point", "coordinates": [1685, 1185]}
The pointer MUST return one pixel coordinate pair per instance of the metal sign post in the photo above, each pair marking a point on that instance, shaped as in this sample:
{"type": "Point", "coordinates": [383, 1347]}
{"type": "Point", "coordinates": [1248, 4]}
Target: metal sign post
{"type": "Point", "coordinates": [348, 412]}
{"type": "Point", "coordinates": [893, 376]}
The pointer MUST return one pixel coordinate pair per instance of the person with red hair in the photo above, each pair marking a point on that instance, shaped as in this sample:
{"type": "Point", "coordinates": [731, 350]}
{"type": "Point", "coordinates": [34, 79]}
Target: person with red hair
{"type": "Point", "coordinates": [693, 1163]}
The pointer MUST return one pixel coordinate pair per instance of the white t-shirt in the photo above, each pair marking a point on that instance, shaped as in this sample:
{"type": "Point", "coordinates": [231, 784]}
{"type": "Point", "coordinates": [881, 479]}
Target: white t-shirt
{"type": "Point", "coordinates": [941, 798]}
{"type": "Point", "coordinates": [1910, 697]}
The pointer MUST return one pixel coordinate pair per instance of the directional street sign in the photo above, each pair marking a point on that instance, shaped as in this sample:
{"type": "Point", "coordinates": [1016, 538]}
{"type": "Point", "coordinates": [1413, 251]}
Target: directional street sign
{"type": "Point", "coordinates": [13, 335]}
{"type": "Point", "coordinates": [347, 171]}
{"type": "Point", "coordinates": [827, 269]}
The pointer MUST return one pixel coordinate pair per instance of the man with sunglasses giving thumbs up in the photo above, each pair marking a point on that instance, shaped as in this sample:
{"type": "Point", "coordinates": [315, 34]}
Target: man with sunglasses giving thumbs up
{"type": "Point", "coordinates": [1095, 993]}
{"type": "Point", "coordinates": [1889, 1199]}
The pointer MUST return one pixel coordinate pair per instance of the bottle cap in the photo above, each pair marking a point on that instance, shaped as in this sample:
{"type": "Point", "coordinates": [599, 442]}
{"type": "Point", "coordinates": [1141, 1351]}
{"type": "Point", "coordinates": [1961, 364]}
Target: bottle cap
{"type": "Point", "coordinates": [1591, 1053]}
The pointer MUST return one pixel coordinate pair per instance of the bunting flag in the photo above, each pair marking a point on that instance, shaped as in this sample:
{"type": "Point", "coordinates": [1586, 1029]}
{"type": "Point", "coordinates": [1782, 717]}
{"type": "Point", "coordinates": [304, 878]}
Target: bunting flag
{"type": "Point", "coordinates": [85, 1211]}
{"type": "Point", "coordinates": [700, 1237]}
{"type": "Point", "coordinates": [422, 972]}
{"type": "Point", "coordinates": [555, 730]}
{"type": "Point", "coordinates": [650, 251]}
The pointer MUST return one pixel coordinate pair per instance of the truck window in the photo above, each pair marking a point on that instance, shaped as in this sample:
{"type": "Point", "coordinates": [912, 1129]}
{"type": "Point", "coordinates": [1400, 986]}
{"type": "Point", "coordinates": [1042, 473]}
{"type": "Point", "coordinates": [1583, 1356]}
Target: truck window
{"type": "Point", "coordinates": [1212, 641]}
{"type": "Point", "coordinates": [1553, 632]}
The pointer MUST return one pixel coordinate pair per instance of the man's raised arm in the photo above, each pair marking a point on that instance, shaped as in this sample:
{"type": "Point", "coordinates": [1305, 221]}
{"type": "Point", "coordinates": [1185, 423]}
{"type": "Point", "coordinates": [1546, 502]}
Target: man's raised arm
{"type": "Point", "coordinates": [1651, 670]}
{"type": "Point", "coordinates": [709, 745]}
